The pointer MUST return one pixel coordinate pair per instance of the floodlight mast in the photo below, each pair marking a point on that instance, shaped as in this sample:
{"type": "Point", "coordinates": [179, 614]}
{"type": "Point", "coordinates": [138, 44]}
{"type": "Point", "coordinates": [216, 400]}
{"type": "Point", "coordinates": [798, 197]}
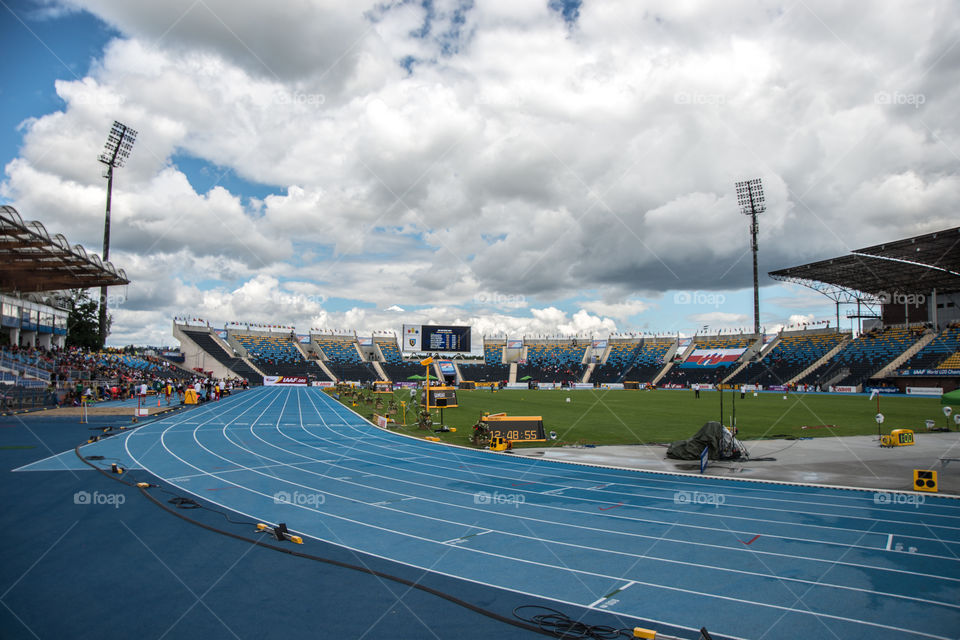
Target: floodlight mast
{"type": "Point", "coordinates": [751, 201]}
{"type": "Point", "coordinates": [115, 153]}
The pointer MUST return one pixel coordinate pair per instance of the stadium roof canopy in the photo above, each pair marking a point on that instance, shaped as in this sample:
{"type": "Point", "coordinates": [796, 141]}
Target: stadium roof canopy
{"type": "Point", "coordinates": [30, 260]}
{"type": "Point", "coordinates": [914, 265]}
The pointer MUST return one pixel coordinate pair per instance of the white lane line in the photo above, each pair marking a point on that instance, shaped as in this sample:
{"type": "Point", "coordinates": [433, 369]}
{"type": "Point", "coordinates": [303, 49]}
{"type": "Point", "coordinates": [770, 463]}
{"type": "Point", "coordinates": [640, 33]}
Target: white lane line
{"type": "Point", "coordinates": [612, 593]}
{"type": "Point", "coordinates": [889, 541]}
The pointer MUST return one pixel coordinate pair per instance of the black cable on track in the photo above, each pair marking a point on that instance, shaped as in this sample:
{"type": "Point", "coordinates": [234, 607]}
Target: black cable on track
{"type": "Point", "coordinates": [380, 574]}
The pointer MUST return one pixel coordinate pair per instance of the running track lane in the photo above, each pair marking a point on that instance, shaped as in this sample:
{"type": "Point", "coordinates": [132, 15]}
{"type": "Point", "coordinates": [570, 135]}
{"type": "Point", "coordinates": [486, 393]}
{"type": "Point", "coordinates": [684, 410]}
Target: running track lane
{"type": "Point", "coordinates": [744, 559]}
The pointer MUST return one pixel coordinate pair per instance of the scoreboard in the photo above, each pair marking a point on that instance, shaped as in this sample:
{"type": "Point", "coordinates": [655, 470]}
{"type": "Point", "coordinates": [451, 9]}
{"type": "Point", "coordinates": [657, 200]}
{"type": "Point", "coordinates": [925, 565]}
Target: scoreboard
{"type": "Point", "coordinates": [517, 428]}
{"type": "Point", "coordinates": [436, 338]}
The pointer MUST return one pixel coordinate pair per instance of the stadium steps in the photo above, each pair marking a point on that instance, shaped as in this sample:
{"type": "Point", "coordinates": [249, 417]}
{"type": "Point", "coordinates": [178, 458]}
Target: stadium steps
{"type": "Point", "coordinates": [512, 378]}
{"type": "Point", "coordinates": [835, 378]}
{"type": "Point", "coordinates": [663, 372]}
{"type": "Point", "coordinates": [756, 348]}
{"type": "Point", "coordinates": [668, 358]}
{"type": "Point", "coordinates": [380, 372]}
{"type": "Point", "coordinates": [235, 344]}
{"type": "Point", "coordinates": [823, 360]}
{"type": "Point", "coordinates": [894, 364]}
{"type": "Point", "coordinates": [323, 367]}
{"type": "Point", "coordinates": [303, 351]}
{"type": "Point", "coordinates": [588, 372]}
{"type": "Point", "coordinates": [456, 368]}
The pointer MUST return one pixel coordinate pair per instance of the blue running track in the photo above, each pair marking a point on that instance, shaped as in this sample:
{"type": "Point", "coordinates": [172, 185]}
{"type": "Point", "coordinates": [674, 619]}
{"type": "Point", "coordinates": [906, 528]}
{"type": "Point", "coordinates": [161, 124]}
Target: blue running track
{"type": "Point", "coordinates": [745, 559]}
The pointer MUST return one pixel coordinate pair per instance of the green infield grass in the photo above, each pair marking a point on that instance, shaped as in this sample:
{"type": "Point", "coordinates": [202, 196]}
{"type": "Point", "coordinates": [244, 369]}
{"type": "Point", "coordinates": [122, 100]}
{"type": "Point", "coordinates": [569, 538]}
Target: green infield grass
{"type": "Point", "coordinates": [660, 416]}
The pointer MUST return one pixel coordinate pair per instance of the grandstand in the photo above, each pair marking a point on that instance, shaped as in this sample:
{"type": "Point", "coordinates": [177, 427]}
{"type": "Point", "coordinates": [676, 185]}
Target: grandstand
{"type": "Point", "coordinates": [276, 355]}
{"type": "Point", "coordinates": [493, 368]}
{"type": "Point", "coordinates": [943, 352]}
{"type": "Point", "coordinates": [343, 358]}
{"type": "Point", "coordinates": [198, 342]}
{"type": "Point", "coordinates": [862, 358]}
{"type": "Point", "coordinates": [554, 360]}
{"type": "Point", "coordinates": [638, 360]}
{"type": "Point", "coordinates": [393, 363]}
{"type": "Point", "coordinates": [788, 358]}
{"type": "Point", "coordinates": [692, 371]}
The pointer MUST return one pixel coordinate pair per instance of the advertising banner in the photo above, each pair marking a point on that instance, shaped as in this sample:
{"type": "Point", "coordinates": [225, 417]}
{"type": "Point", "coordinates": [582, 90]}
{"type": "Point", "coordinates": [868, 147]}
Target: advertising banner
{"type": "Point", "coordinates": [447, 369]}
{"type": "Point", "coordinates": [611, 385]}
{"type": "Point", "coordinates": [929, 372]}
{"type": "Point", "coordinates": [295, 381]}
{"type": "Point", "coordinates": [515, 343]}
{"type": "Point", "coordinates": [303, 338]}
{"type": "Point", "coordinates": [924, 391]}
{"type": "Point", "coordinates": [712, 358]}
{"type": "Point", "coordinates": [582, 385]}
{"type": "Point", "coordinates": [548, 385]}
{"type": "Point", "coordinates": [843, 389]}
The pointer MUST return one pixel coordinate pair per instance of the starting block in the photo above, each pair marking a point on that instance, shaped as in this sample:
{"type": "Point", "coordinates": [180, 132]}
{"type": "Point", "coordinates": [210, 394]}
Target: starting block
{"type": "Point", "coordinates": [280, 532]}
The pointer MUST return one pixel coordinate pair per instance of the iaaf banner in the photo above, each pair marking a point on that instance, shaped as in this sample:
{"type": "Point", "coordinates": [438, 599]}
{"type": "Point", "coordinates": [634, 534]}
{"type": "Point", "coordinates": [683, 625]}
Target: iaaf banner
{"type": "Point", "coordinates": [515, 343]}
{"type": "Point", "coordinates": [712, 358]}
{"type": "Point", "coordinates": [296, 381]}
{"type": "Point", "coordinates": [929, 372]}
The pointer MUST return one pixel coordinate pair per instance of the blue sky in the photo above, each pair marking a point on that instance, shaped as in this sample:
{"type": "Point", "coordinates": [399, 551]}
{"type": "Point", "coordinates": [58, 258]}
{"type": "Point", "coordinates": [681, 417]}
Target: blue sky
{"type": "Point", "coordinates": [543, 167]}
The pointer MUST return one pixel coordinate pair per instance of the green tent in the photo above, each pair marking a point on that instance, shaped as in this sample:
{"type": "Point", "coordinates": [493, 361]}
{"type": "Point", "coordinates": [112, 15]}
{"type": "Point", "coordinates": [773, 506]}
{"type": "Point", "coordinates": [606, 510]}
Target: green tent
{"type": "Point", "coordinates": [951, 397]}
{"type": "Point", "coordinates": [525, 378]}
{"type": "Point", "coordinates": [416, 377]}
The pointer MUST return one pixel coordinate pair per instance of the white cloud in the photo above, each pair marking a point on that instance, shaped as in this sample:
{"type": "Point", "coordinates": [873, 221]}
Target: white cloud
{"type": "Point", "coordinates": [520, 159]}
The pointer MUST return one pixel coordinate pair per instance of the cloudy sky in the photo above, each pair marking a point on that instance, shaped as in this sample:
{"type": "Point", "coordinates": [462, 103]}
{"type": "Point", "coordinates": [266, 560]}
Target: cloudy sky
{"type": "Point", "coordinates": [539, 166]}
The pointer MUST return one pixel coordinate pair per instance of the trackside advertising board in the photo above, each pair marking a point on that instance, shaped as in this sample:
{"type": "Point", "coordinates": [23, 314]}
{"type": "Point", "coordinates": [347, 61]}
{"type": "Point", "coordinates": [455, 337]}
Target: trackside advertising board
{"type": "Point", "coordinates": [287, 381]}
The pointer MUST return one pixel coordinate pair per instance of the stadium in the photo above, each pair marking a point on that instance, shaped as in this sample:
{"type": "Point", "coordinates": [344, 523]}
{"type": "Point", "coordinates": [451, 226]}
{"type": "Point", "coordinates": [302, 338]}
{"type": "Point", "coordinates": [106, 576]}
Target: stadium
{"type": "Point", "coordinates": [430, 472]}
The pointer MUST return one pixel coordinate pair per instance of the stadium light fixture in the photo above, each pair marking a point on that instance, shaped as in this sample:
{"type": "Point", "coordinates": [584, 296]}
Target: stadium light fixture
{"type": "Point", "coordinates": [115, 153]}
{"type": "Point", "coordinates": [751, 202]}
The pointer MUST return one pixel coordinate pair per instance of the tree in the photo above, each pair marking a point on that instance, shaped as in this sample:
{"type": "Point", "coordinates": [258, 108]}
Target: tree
{"type": "Point", "coordinates": [83, 323]}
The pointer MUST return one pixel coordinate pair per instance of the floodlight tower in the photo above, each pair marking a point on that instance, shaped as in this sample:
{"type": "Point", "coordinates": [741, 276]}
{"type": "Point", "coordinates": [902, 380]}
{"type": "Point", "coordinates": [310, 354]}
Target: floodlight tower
{"type": "Point", "coordinates": [115, 153]}
{"type": "Point", "coordinates": [750, 199]}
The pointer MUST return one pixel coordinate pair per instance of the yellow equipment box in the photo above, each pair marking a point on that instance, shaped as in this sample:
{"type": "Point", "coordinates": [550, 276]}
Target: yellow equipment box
{"type": "Point", "coordinates": [897, 438]}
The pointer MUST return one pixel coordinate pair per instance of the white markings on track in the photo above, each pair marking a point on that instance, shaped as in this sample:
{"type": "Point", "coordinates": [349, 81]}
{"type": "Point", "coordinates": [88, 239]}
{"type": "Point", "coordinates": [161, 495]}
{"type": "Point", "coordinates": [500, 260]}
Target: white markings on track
{"type": "Point", "coordinates": [608, 600]}
{"type": "Point", "coordinates": [554, 492]}
{"type": "Point", "coordinates": [467, 537]}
